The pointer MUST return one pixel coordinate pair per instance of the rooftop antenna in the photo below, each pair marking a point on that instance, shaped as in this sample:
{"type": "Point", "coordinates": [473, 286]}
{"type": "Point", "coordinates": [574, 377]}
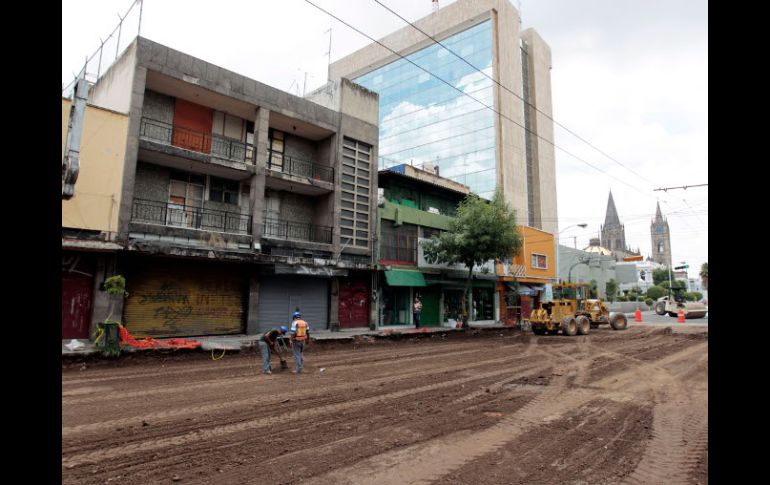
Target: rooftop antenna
{"type": "Point", "coordinates": [435, 5]}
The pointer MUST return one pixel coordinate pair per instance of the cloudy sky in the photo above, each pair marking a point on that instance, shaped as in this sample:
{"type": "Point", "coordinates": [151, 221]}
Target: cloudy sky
{"type": "Point", "coordinates": [630, 77]}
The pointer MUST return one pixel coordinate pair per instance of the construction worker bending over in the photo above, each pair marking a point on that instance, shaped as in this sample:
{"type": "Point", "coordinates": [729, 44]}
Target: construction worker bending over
{"type": "Point", "coordinates": [300, 335]}
{"type": "Point", "coordinates": [267, 343]}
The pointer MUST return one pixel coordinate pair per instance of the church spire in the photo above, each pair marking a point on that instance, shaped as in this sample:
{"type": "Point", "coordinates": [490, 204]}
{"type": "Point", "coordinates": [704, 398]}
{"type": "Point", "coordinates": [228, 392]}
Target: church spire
{"type": "Point", "coordinates": [611, 219]}
{"type": "Point", "coordinates": [658, 215]}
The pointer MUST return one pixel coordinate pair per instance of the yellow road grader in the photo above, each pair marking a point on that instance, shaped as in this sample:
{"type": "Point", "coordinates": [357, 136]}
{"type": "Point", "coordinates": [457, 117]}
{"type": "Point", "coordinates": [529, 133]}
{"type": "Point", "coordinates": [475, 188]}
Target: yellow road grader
{"type": "Point", "coordinates": [573, 313]}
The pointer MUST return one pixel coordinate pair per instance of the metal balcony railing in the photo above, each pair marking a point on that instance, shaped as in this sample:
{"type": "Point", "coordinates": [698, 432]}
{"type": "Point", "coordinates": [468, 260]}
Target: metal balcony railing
{"type": "Point", "coordinates": [297, 231]}
{"type": "Point", "coordinates": [295, 166]}
{"type": "Point", "coordinates": [179, 136]}
{"type": "Point", "coordinates": [179, 215]}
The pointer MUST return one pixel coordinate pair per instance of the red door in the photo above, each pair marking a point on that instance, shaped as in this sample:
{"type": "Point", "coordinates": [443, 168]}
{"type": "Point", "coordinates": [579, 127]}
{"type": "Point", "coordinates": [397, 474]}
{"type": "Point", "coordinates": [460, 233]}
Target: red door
{"type": "Point", "coordinates": [354, 304]}
{"type": "Point", "coordinates": [192, 126]}
{"type": "Point", "coordinates": [76, 291]}
{"type": "Point", "coordinates": [526, 306]}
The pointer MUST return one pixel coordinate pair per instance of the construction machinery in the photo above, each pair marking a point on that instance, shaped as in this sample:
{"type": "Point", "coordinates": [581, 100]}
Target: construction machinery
{"type": "Point", "coordinates": [573, 313]}
{"type": "Point", "coordinates": [676, 301]}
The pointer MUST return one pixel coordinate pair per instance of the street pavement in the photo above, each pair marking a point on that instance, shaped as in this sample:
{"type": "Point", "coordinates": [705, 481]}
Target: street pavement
{"type": "Point", "coordinates": [654, 319]}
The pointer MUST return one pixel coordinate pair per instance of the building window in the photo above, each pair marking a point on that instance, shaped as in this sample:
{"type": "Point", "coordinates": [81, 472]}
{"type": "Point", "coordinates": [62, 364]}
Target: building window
{"type": "Point", "coordinates": [225, 191]}
{"type": "Point", "coordinates": [275, 150]}
{"type": "Point", "coordinates": [355, 191]}
{"type": "Point", "coordinates": [539, 261]}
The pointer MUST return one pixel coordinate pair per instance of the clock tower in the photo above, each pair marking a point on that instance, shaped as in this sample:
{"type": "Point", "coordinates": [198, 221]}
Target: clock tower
{"type": "Point", "coordinates": [661, 239]}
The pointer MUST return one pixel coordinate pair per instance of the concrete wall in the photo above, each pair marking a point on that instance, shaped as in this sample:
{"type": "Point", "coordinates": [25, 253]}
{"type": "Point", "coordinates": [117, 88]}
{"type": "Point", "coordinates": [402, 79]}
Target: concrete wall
{"type": "Point", "coordinates": [540, 94]}
{"type": "Point", "coordinates": [301, 148]}
{"type": "Point", "coordinates": [102, 152]}
{"type": "Point", "coordinates": [113, 91]}
{"type": "Point", "coordinates": [152, 182]}
{"type": "Point", "coordinates": [158, 107]}
{"type": "Point", "coordinates": [349, 98]}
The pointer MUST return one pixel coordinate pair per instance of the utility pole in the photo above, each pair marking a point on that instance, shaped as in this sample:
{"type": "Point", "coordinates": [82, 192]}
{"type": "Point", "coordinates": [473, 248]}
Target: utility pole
{"type": "Point", "coordinates": [70, 166]}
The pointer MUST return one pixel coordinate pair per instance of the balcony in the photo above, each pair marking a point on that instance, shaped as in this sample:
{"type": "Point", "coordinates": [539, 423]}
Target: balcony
{"type": "Point", "coordinates": [189, 217]}
{"type": "Point", "coordinates": [301, 168]}
{"type": "Point", "coordinates": [296, 231]}
{"type": "Point", "coordinates": [180, 137]}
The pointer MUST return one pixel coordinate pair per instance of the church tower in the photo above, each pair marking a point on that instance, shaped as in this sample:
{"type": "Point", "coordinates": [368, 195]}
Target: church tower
{"type": "Point", "coordinates": [661, 239]}
{"type": "Point", "coordinates": [613, 232]}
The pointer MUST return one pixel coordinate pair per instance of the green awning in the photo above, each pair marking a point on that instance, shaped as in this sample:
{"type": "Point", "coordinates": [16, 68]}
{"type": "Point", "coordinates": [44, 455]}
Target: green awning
{"type": "Point", "coordinates": [404, 278]}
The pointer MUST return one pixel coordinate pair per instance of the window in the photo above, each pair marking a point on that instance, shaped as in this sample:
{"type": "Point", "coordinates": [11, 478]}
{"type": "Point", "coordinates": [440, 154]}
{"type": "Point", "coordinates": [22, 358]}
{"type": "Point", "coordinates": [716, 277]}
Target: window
{"type": "Point", "coordinates": [356, 189]}
{"type": "Point", "coordinates": [275, 151]}
{"type": "Point", "coordinates": [539, 261]}
{"type": "Point", "coordinates": [222, 190]}
{"type": "Point", "coordinates": [185, 197]}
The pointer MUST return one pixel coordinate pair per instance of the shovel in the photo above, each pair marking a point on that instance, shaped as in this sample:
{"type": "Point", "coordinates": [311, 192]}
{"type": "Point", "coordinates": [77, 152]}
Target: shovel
{"type": "Point", "coordinates": [284, 365]}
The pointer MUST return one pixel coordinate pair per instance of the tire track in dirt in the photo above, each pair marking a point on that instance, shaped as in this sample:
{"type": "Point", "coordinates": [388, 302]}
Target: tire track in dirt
{"type": "Point", "coordinates": [431, 461]}
{"type": "Point", "coordinates": [261, 422]}
{"type": "Point", "coordinates": [254, 361]}
{"type": "Point", "coordinates": [275, 399]}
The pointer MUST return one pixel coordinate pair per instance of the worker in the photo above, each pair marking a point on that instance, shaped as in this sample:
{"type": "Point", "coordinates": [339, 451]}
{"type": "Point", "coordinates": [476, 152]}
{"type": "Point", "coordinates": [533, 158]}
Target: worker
{"type": "Point", "coordinates": [300, 335]}
{"type": "Point", "coordinates": [267, 343]}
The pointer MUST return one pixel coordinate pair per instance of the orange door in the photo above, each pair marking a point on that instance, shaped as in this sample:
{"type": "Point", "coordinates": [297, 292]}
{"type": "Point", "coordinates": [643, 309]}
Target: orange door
{"type": "Point", "coordinates": [192, 126]}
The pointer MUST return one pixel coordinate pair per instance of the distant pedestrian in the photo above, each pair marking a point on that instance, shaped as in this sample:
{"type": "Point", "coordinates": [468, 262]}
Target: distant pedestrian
{"type": "Point", "coordinates": [300, 336]}
{"type": "Point", "coordinates": [417, 311]}
{"type": "Point", "coordinates": [267, 343]}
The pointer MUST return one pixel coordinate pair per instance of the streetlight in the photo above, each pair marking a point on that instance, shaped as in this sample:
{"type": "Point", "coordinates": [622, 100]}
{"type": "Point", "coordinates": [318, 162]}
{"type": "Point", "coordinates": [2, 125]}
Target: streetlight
{"type": "Point", "coordinates": [583, 226]}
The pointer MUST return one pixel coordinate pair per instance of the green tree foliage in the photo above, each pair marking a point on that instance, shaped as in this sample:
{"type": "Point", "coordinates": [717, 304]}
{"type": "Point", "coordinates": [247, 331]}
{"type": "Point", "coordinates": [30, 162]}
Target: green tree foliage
{"type": "Point", "coordinates": [704, 275]}
{"type": "Point", "coordinates": [656, 292]}
{"type": "Point", "coordinates": [649, 302]}
{"type": "Point", "coordinates": [481, 231]}
{"type": "Point", "coordinates": [593, 289]}
{"type": "Point", "coordinates": [611, 289]}
{"type": "Point", "coordinates": [660, 275]}
{"type": "Point", "coordinates": [677, 284]}
{"type": "Point", "coordinates": [693, 296]}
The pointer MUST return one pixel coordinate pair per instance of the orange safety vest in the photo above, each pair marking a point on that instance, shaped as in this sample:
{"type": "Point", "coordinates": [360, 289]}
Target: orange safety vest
{"type": "Point", "coordinates": [301, 330]}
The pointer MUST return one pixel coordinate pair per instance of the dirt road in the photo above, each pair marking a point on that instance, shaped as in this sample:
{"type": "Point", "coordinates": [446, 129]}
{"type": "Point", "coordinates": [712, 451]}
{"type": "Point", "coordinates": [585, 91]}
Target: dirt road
{"type": "Point", "coordinates": [494, 407]}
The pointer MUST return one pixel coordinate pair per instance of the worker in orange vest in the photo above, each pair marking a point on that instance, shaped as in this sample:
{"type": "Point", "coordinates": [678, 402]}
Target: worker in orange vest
{"type": "Point", "coordinates": [300, 335]}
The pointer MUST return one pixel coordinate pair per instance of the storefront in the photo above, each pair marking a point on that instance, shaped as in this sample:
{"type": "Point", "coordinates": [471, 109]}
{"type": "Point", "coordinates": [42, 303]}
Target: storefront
{"type": "Point", "coordinates": [354, 299]}
{"type": "Point", "coordinates": [281, 295]}
{"type": "Point", "coordinates": [398, 292]}
{"type": "Point", "coordinates": [77, 291]}
{"type": "Point", "coordinates": [173, 298]}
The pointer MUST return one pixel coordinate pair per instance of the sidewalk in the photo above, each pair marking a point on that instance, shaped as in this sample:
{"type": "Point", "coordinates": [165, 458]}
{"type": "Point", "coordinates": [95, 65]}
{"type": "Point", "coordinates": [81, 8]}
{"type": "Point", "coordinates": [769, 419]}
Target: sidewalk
{"type": "Point", "coordinates": [243, 342]}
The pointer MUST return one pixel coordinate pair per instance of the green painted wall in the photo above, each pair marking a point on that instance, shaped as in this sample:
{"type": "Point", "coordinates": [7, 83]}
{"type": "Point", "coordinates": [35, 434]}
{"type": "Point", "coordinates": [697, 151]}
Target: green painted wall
{"type": "Point", "coordinates": [402, 214]}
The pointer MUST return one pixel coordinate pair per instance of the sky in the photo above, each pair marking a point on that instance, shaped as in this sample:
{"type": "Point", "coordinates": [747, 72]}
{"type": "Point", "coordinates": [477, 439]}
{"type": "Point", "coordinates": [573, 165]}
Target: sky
{"type": "Point", "coordinates": [629, 77]}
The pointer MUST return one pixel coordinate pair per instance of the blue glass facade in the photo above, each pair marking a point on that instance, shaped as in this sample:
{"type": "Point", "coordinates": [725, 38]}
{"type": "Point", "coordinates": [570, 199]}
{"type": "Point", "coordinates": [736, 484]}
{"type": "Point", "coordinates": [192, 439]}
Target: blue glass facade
{"type": "Point", "coordinates": [422, 120]}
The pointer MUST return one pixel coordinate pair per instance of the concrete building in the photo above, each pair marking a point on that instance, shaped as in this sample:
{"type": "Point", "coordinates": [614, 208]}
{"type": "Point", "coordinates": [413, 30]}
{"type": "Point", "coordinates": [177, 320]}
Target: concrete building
{"type": "Point", "coordinates": [524, 278]}
{"type": "Point", "coordinates": [661, 239]}
{"type": "Point", "coordinates": [416, 204]}
{"type": "Point", "coordinates": [235, 202]}
{"type": "Point", "coordinates": [429, 118]}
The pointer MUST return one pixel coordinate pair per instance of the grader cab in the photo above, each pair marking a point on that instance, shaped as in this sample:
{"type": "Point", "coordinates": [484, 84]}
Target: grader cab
{"type": "Point", "coordinates": [572, 312]}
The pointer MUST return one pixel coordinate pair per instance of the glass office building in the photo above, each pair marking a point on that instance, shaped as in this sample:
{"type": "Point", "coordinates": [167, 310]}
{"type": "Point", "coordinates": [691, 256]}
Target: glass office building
{"type": "Point", "coordinates": [424, 121]}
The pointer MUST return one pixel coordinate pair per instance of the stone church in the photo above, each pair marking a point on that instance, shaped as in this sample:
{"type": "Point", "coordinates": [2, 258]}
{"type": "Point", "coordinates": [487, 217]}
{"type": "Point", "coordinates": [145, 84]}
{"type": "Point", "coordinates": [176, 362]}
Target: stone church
{"type": "Point", "coordinates": [661, 239]}
{"type": "Point", "coordinates": [613, 234]}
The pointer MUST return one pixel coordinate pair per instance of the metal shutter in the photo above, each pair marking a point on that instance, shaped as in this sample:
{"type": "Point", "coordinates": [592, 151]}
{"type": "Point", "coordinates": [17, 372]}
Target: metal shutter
{"type": "Point", "coordinates": [184, 299]}
{"type": "Point", "coordinates": [279, 295]}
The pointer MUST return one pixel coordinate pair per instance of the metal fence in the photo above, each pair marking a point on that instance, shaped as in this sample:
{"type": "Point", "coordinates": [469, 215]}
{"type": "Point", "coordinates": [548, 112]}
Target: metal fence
{"type": "Point", "coordinates": [179, 215]}
{"type": "Point", "coordinates": [281, 229]}
{"type": "Point", "coordinates": [295, 166]}
{"type": "Point", "coordinates": [182, 137]}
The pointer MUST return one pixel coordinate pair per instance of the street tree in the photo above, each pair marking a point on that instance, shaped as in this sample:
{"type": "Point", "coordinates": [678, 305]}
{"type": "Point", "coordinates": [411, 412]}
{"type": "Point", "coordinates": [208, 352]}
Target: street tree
{"type": "Point", "coordinates": [611, 288]}
{"type": "Point", "coordinates": [704, 275]}
{"type": "Point", "coordinates": [481, 231]}
{"type": "Point", "coordinates": [659, 275]}
{"type": "Point", "coordinates": [655, 292]}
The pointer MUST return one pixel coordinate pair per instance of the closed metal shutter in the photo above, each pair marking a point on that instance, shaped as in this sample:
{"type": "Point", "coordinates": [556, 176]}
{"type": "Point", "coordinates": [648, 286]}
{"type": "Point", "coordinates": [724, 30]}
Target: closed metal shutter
{"type": "Point", "coordinates": [184, 299]}
{"type": "Point", "coordinates": [279, 295]}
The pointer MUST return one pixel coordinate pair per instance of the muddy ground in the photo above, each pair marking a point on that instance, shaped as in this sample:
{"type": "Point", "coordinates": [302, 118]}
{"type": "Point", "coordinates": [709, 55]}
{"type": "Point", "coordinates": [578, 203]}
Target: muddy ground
{"type": "Point", "coordinates": [482, 408]}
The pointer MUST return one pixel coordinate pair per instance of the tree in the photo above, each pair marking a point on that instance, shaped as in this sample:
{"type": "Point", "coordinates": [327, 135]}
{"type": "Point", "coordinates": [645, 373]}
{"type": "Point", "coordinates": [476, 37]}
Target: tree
{"type": "Point", "coordinates": [656, 292]}
{"type": "Point", "coordinates": [676, 284]}
{"type": "Point", "coordinates": [611, 289]}
{"type": "Point", "coordinates": [593, 289]}
{"type": "Point", "coordinates": [481, 231]}
{"type": "Point", "coordinates": [704, 275]}
{"type": "Point", "coordinates": [660, 275]}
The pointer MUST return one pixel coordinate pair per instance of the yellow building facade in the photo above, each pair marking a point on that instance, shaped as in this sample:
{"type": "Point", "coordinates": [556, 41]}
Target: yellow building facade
{"type": "Point", "coordinates": [102, 152]}
{"type": "Point", "coordinates": [534, 267]}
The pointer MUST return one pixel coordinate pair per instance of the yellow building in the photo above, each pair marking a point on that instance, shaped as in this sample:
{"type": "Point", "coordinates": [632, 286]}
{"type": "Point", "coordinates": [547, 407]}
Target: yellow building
{"type": "Point", "coordinates": [98, 188]}
{"type": "Point", "coordinates": [90, 218]}
{"type": "Point", "coordinates": [522, 281]}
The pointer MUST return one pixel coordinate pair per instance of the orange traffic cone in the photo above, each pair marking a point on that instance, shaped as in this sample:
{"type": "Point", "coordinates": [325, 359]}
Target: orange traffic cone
{"type": "Point", "coordinates": [680, 316]}
{"type": "Point", "coordinates": [638, 315]}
